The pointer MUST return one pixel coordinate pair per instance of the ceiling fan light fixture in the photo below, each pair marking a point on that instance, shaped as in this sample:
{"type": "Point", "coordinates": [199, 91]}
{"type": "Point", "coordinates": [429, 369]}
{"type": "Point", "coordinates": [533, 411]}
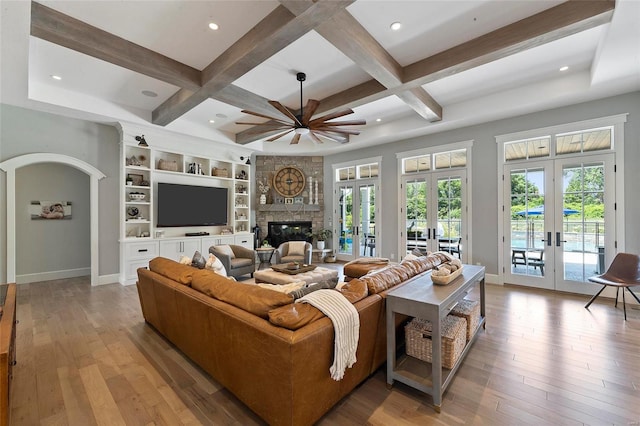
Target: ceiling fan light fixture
{"type": "Point", "coordinates": [301, 130]}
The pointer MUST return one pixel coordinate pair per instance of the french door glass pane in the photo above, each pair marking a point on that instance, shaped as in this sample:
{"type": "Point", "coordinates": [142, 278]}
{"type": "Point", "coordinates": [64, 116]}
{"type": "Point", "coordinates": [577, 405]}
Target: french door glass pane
{"type": "Point", "coordinates": [367, 219]}
{"type": "Point", "coordinates": [583, 220]}
{"type": "Point", "coordinates": [345, 218]}
{"type": "Point", "coordinates": [527, 221]}
{"type": "Point", "coordinates": [449, 214]}
{"type": "Point", "coordinates": [416, 214]}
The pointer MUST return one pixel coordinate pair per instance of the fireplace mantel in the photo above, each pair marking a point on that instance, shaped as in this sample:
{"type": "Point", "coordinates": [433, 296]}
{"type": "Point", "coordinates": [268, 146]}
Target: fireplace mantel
{"type": "Point", "coordinates": [293, 208]}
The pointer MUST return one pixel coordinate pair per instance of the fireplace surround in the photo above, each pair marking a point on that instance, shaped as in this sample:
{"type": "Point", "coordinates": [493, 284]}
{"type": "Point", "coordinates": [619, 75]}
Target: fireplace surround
{"type": "Point", "coordinates": [280, 232]}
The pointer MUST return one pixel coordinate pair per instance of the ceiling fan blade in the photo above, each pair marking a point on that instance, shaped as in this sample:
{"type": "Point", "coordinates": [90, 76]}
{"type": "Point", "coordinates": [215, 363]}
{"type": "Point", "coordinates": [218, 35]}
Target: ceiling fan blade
{"type": "Point", "coordinates": [342, 131]}
{"type": "Point", "coordinates": [309, 110]}
{"type": "Point", "coordinates": [332, 137]}
{"type": "Point", "coordinates": [265, 124]}
{"type": "Point", "coordinates": [278, 136]}
{"type": "Point", "coordinates": [343, 123]}
{"type": "Point", "coordinates": [277, 105]}
{"type": "Point", "coordinates": [296, 139]}
{"type": "Point", "coordinates": [314, 137]}
{"type": "Point", "coordinates": [257, 114]}
{"type": "Point", "coordinates": [331, 116]}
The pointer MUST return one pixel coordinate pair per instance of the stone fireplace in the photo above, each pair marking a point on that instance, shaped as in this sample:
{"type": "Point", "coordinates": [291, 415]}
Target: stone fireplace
{"type": "Point", "coordinates": [275, 211]}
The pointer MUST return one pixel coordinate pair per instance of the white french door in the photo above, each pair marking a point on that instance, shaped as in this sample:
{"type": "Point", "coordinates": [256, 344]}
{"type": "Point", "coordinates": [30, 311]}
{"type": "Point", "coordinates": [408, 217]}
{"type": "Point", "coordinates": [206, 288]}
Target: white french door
{"type": "Point", "coordinates": [434, 211]}
{"type": "Point", "coordinates": [355, 219]}
{"type": "Point", "coordinates": [559, 226]}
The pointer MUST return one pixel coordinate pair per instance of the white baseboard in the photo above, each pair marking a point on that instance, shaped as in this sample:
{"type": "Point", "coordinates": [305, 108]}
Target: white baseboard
{"type": "Point", "coordinates": [108, 279]}
{"type": "Point", "coordinates": [53, 275]}
{"type": "Point", "coordinates": [492, 279]}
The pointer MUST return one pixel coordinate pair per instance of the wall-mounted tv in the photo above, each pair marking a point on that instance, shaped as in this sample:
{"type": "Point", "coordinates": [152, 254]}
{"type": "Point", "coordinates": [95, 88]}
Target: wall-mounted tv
{"type": "Point", "coordinates": [190, 205]}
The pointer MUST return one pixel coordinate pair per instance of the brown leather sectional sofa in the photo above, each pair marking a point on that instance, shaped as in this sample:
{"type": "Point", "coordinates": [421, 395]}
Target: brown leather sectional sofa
{"type": "Point", "coordinates": [274, 355]}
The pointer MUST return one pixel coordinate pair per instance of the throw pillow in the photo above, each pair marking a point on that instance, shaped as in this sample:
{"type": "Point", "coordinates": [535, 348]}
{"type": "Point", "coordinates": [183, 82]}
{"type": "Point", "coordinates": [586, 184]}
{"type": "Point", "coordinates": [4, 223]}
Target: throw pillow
{"type": "Point", "coordinates": [198, 261]}
{"type": "Point", "coordinates": [226, 249]}
{"type": "Point", "coordinates": [185, 260]}
{"type": "Point", "coordinates": [214, 264]}
{"type": "Point", "coordinates": [296, 294]}
{"type": "Point", "coordinates": [410, 256]}
{"type": "Point", "coordinates": [296, 248]}
{"type": "Point", "coordinates": [417, 252]}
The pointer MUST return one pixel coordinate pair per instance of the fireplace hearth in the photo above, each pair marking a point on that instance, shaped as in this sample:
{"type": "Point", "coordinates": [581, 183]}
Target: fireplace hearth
{"type": "Point", "coordinates": [280, 232]}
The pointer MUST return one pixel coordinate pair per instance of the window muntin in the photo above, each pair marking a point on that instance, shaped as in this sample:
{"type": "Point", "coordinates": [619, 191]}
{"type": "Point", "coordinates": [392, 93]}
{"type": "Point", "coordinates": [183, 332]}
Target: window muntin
{"type": "Point", "coordinates": [345, 174]}
{"type": "Point", "coordinates": [436, 161]}
{"type": "Point", "coordinates": [366, 171]}
{"type": "Point", "coordinates": [529, 148]}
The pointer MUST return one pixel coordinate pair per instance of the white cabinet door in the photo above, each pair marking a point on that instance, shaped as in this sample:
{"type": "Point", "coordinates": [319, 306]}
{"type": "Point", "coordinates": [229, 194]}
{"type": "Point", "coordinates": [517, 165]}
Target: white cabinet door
{"type": "Point", "coordinates": [174, 249]}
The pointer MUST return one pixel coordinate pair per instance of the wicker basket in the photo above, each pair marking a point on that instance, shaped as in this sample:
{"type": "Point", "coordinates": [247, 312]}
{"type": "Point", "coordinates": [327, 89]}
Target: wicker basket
{"type": "Point", "coordinates": [171, 166]}
{"type": "Point", "coordinates": [419, 344]}
{"type": "Point", "coordinates": [469, 310]}
{"type": "Point", "coordinates": [218, 172]}
{"type": "Point", "coordinates": [446, 279]}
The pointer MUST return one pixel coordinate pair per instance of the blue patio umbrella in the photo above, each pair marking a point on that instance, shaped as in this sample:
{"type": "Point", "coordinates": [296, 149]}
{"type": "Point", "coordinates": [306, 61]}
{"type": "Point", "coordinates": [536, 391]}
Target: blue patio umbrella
{"type": "Point", "coordinates": [539, 210]}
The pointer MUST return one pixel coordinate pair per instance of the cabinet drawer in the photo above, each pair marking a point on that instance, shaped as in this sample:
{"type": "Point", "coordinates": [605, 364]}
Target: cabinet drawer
{"type": "Point", "coordinates": [244, 241]}
{"type": "Point", "coordinates": [131, 269]}
{"type": "Point", "coordinates": [143, 250]}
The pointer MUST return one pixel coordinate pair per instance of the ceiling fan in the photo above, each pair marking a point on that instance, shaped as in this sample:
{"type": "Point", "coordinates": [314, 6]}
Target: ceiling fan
{"type": "Point", "coordinates": [302, 124]}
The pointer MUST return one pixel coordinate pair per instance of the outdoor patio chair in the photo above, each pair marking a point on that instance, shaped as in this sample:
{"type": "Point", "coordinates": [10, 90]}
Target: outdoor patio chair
{"type": "Point", "coordinates": [623, 273]}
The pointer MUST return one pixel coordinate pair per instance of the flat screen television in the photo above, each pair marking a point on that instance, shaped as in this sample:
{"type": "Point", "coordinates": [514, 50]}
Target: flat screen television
{"type": "Point", "coordinates": [190, 205]}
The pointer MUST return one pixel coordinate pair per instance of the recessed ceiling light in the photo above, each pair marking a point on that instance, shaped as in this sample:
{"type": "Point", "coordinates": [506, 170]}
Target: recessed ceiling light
{"type": "Point", "coordinates": [149, 93]}
{"type": "Point", "coordinates": [378, 119]}
{"type": "Point", "coordinates": [212, 121]}
{"type": "Point", "coordinates": [213, 26]}
{"type": "Point", "coordinates": [221, 116]}
{"type": "Point", "coordinates": [56, 77]}
{"type": "Point", "coordinates": [395, 26]}
{"type": "Point", "coordinates": [564, 68]}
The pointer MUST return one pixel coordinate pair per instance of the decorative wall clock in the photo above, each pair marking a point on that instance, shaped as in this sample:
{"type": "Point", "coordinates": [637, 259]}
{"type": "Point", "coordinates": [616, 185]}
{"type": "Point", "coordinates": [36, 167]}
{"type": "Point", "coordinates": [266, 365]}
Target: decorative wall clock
{"type": "Point", "coordinates": [289, 181]}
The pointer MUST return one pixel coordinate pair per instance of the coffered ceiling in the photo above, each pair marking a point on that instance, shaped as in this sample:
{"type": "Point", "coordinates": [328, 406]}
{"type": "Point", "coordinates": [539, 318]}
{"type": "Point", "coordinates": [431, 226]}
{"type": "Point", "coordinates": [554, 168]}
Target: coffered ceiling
{"type": "Point", "coordinates": [451, 64]}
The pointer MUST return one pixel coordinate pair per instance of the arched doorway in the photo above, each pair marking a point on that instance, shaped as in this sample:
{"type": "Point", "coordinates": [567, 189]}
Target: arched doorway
{"type": "Point", "coordinates": [10, 166]}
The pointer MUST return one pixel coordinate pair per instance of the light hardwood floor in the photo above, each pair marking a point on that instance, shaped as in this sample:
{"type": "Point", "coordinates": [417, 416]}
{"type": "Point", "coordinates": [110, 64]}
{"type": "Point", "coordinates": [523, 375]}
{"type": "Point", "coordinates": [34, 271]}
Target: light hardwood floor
{"type": "Point", "coordinates": [86, 357]}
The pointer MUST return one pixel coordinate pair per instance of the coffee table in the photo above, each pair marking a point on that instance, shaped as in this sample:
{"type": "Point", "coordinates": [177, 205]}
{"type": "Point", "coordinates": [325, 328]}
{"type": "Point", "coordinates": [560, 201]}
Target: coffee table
{"type": "Point", "coordinates": [273, 277]}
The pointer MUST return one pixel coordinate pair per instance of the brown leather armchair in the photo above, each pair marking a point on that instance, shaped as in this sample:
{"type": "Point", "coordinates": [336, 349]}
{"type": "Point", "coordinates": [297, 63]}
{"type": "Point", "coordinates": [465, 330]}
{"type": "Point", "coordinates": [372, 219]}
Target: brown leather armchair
{"type": "Point", "coordinates": [241, 263]}
{"type": "Point", "coordinates": [283, 256]}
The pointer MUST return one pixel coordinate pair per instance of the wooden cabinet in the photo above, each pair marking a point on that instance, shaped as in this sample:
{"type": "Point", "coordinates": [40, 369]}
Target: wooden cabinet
{"type": "Point", "coordinates": [422, 299]}
{"type": "Point", "coordinates": [7, 347]}
{"type": "Point", "coordinates": [217, 240]}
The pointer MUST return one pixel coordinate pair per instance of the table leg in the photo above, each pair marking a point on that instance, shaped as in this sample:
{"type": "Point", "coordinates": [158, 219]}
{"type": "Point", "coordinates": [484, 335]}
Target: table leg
{"type": "Point", "coordinates": [436, 365]}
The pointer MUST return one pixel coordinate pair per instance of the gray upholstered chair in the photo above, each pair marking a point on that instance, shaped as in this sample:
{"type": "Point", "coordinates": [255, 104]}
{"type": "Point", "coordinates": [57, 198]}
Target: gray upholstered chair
{"type": "Point", "coordinates": [283, 255]}
{"type": "Point", "coordinates": [242, 262]}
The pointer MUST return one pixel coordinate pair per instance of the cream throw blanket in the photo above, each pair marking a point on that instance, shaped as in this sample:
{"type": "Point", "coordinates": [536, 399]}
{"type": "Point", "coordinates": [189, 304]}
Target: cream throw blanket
{"type": "Point", "coordinates": [346, 325]}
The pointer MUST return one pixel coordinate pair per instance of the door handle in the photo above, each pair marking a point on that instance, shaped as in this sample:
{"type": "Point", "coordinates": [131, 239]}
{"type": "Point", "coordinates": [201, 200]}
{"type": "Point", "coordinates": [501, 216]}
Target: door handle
{"type": "Point", "coordinates": [558, 240]}
{"type": "Point", "coordinates": [548, 240]}
{"type": "Point", "coordinates": [435, 236]}
{"type": "Point", "coordinates": [428, 233]}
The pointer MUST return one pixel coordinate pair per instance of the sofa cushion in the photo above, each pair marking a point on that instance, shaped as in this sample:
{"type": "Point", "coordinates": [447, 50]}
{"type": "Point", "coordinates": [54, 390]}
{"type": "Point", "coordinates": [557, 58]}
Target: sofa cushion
{"type": "Point", "coordinates": [172, 270]}
{"type": "Point", "coordinates": [297, 315]}
{"type": "Point", "coordinates": [251, 298]}
{"type": "Point", "coordinates": [303, 291]}
{"type": "Point", "coordinates": [240, 262]}
{"type": "Point", "coordinates": [226, 249]}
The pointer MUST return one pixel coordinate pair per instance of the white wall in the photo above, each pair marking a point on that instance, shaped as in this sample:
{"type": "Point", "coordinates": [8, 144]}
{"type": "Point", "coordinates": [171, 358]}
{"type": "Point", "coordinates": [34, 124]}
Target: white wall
{"type": "Point", "coordinates": [45, 247]}
{"type": "Point", "coordinates": [484, 188]}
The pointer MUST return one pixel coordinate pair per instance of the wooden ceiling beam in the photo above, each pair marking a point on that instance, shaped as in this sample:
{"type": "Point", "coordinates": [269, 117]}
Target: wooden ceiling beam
{"type": "Point", "coordinates": [275, 32]}
{"type": "Point", "coordinates": [560, 21]}
{"type": "Point", "coordinates": [55, 27]}
{"type": "Point", "coordinates": [355, 42]}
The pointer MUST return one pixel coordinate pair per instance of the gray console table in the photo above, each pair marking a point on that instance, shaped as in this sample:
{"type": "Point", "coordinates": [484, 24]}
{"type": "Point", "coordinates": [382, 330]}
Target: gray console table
{"type": "Point", "coordinates": [421, 298]}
